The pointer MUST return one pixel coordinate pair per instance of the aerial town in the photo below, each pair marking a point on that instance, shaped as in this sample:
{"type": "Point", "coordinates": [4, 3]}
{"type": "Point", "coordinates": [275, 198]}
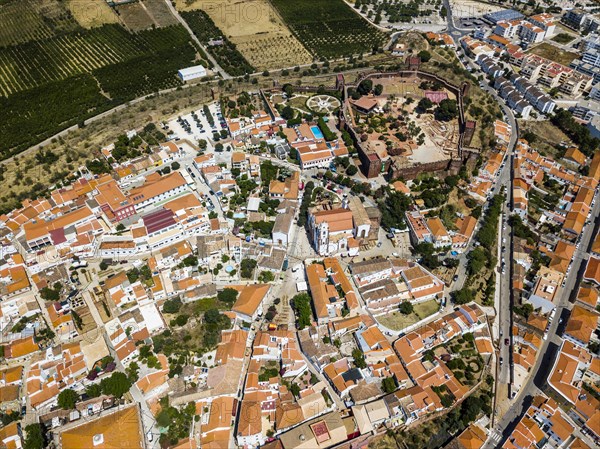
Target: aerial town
{"type": "Point", "coordinates": [386, 239]}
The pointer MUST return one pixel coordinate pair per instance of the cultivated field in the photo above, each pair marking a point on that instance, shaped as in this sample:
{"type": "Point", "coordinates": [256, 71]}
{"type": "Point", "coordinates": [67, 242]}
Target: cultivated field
{"type": "Point", "coordinates": [329, 28]}
{"type": "Point", "coordinates": [28, 20]}
{"type": "Point", "coordinates": [226, 52]}
{"type": "Point", "coordinates": [160, 12]}
{"type": "Point", "coordinates": [92, 13]}
{"type": "Point", "coordinates": [257, 31]}
{"type": "Point", "coordinates": [57, 82]}
{"type": "Point", "coordinates": [33, 64]}
{"type": "Point", "coordinates": [135, 16]}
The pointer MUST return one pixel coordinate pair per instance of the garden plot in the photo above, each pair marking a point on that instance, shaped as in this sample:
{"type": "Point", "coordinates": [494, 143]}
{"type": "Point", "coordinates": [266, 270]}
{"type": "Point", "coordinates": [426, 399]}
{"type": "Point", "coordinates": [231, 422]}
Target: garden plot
{"type": "Point", "coordinates": [273, 50]}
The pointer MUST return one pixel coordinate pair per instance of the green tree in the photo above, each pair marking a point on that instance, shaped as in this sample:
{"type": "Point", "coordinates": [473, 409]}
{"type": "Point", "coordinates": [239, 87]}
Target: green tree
{"type": "Point", "coordinates": [34, 438]}
{"type": "Point", "coordinates": [227, 295]}
{"type": "Point", "coordinates": [359, 358]}
{"type": "Point", "coordinates": [49, 294]}
{"type": "Point", "coordinates": [301, 304]}
{"type": "Point", "coordinates": [93, 390]}
{"type": "Point", "coordinates": [463, 295]}
{"type": "Point", "coordinates": [172, 305]}
{"type": "Point", "coordinates": [393, 208]}
{"type": "Point", "coordinates": [447, 110]}
{"type": "Point", "coordinates": [424, 55]}
{"type": "Point", "coordinates": [247, 267]}
{"type": "Point", "coordinates": [406, 308]}
{"type": "Point", "coordinates": [266, 276]}
{"type": "Point", "coordinates": [190, 261]}
{"type": "Point", "coordinates": [365, 87]}
{"type": "Point", "coordinates": [287, 113]}
{"type": "Point", "coordinates": [424, 104]}
{"type": "Point", "coordinates": [295, 389]}
{"type": "Point", "coordinates": [67, 399]}
{"type": "Point", "coordinates": [351, 170]}
{"type": "Point", "coordinates": [116, 385]}
{"type": "Point", "coordinates": [388, 385]}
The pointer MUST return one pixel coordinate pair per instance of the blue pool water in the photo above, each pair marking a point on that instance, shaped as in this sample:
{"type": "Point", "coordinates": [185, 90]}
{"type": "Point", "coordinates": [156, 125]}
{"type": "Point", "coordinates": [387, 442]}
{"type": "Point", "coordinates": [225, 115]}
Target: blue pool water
{"type": "Point", "coordinates": [316, 132]}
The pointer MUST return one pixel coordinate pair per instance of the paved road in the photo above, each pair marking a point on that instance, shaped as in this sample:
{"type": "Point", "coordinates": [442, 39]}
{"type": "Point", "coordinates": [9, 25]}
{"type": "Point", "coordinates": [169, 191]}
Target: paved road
{"type": "Point", "coordinates": [504, 300]}
{"type": "Point", "coordinates": [541, 370]}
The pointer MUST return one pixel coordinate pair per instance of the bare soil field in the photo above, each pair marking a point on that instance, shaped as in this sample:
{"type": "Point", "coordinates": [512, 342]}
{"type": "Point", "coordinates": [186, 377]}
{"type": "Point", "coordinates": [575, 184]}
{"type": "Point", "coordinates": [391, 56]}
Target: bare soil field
{"type": "Point", "coordinates": [256, 29]}
{"type": "Point", "coordinates": [471, 8]}
{"type": "Point", "coordinates": [92, 13]}
{"type": "Point", "coordinates": [135, 16]}
{"type": "Point", "coordinates": [160, 12]}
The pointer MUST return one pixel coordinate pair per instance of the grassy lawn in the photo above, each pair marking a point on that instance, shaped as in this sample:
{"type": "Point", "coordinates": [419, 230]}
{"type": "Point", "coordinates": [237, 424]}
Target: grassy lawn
{"type": "Point", "coordinates": [398, 321]}
{"type": "Point", "coordinates": [563, 38]}
{"type": "Point", "coordinates": [553, 53]}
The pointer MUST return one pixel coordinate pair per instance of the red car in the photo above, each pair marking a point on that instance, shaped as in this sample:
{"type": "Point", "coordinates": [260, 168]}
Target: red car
{"type": "Point", "coordinates": [506, 341]}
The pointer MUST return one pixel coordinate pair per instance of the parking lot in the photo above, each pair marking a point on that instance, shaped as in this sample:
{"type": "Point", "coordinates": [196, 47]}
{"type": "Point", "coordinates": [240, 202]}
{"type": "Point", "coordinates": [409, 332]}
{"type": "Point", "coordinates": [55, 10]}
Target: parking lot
{"type": "Point", "coordinates": [196, 125]}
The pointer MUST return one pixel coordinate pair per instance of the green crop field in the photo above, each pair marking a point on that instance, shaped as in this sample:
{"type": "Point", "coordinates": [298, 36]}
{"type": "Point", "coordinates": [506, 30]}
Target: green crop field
{"type": "Point", "coordinates": [27, 20]}
{"type": "Point", "coordinates": [58, 76]}
{"type": "Point", "coordinates": [329, 28]}
{"type": "Point", "coordinates": [227, 55]}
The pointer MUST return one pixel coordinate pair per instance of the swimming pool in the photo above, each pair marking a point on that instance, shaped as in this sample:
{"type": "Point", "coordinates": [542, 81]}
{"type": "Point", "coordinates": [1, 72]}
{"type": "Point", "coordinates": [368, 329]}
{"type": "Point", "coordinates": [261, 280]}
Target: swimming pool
{"type": "Point", "coordinates": [316, 132]}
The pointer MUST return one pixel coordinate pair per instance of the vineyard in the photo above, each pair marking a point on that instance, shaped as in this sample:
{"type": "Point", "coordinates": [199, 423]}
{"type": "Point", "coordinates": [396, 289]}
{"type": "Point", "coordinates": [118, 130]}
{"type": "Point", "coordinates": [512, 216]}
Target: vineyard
{"type": "Point", "coordinates": [329, 28]}
{"type": "Point", "coordinates": [227, 55]}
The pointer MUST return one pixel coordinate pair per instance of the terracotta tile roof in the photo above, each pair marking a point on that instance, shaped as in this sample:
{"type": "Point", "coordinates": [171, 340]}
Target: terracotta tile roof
{"type": "Point", "coordinates": [250, 298]}
{"type": "Point", "coordinates": [582, 323]}
{"type": "Point", "coordinates": [592, 272]}
{"type": "Point", "coordinates": [116, 430]}
{"type": "Point", "coordinates": [22, 347]}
